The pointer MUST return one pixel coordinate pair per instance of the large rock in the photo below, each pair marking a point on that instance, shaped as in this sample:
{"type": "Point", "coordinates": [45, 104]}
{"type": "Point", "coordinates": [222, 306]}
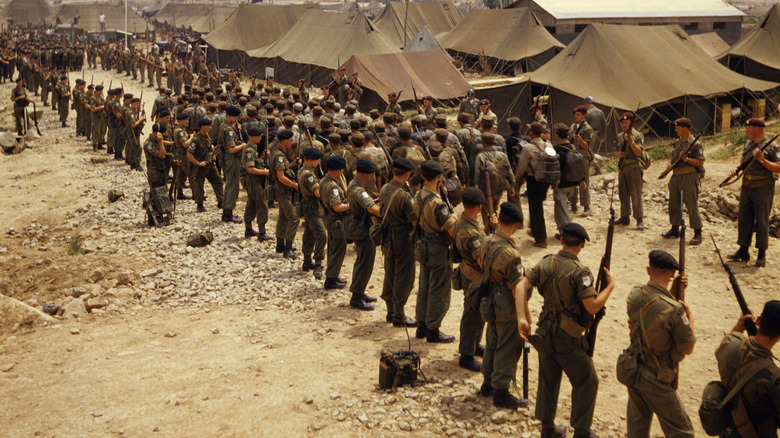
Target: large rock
{"type": "Point", "coordinates": [15, 314]}
{"type": "Point", "coordinates": [74, 308]}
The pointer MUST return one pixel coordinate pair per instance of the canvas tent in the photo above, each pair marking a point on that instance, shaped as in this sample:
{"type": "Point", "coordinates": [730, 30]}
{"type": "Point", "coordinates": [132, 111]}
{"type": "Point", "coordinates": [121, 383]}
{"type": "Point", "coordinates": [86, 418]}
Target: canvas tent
{"type": "Point", "coordinates": [89, 17]}
{"type": "Point", "coordinates": [202, 18]}
{"type": "Point", "coordinates": [424, 40]}
{"type": "Point", "coordinates": [428, 72]}
{"type": "Point", "coordinates": [316, 44]}
{"type": "Point", "coordinates": [757, 54]}
{"type": "Point", "coordinates": [658, 69]}
{"type": "Point", "coordinates": [511, 40]}
{"type": "Point", "coordinates": [27, 11]}
{"type": "Point", "coordinates": [401, 21]}
{"type": "Point", "coordinates": [251, 27]}
{"type": "Point", "coordinates": [711, 43]}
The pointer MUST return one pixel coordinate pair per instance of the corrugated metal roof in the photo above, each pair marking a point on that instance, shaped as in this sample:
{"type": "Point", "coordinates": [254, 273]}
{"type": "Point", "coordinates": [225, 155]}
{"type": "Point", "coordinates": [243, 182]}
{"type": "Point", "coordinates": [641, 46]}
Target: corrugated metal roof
{"type": "Point", "coordinates": [571, 9]}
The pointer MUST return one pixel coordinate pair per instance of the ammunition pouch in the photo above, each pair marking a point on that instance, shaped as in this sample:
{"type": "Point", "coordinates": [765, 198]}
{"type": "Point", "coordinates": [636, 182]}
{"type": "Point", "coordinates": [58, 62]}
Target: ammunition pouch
{"type": "Point", "coordinates": [457, 279]}
{"type": "Point", "coordinates": [627, 368]}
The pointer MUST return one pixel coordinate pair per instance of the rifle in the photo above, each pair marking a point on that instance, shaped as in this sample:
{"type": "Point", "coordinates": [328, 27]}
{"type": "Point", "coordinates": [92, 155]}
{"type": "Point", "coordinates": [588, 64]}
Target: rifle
{"type": "Point", "coordinates": [267, 157]}
{"type": "Point", "coordinates": [423, 142]}
{"type": "Point", "coordinates": [630, 133]}
{"type": "Point", "coordinates": [677, 287]}
{"type": "Point", "coordinates": [526, 351]}
{"type": "Point", "coordinates": [677, 161]}
{"type": "Point", "coordinates": [446, 198]}
{"type": "Point", "coordinates": [35, 118]}
{"type": "Point", "coordinates": [489, 197]}
{"type": "Point", "coordinates": [382, 145]}
{"type": "Point", "coordinates": [745, 164]}
{"type": "Point", "coordinates": [415, 100]}
{"type": "Point", "coordinates": [750, 325]}
{"type": "Point", "coordinates": [601, 281]}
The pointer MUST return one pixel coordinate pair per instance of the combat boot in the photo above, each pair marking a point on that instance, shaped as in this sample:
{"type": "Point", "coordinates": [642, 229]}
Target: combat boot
{"type": "Point", "coordinates": [357, 303]}
{"type": "Point", "coordinates": [307, 266]}
{"type": "Point", "coordinates": [421, 331]}
{"type": "Point", "coordinates": [623, 221]}
{"type": "Point", "coordinates": [673, 233]}
{"type": "Point", "coordinates": [228, 216]}
{"type": "Point", "coordinates": [550, 430]}
{"type": "Point", "coordinates": [437, 337]}
{"type": "Point", "coordinates": [279, 245]}
{"type": "Point", "coordinates": [503, 399]}
{"type": "Point", "coordinates": [486, 390]}
{"type": "Point", "coordinates": [469, 363]}
{"type": "Point", "coordinates": [264, 237]}
{"type": "Point", "coordinates": [333, 283]}
{"type": "Point", "coordinates": [742, 255]}
{"type": "Point", "coordinates": [761, 258]}
{"type": "Point", "coordinates": [250, 232]}
{"type": "Point", "coordinates": [94, 148]}
{"type": "Point", "coordinates": [181, 195]}
{"type": "Point", "coordinates": [696, 238]}
{"type": "Point", "coordinates": [640, 226]}
{"type": "Point", "coordinates": [403, 321]}
{"type": "Point", "coordinates": [289, 253]}
{"type": "Point", "coordinates": [201, 208]}
{"type": "Point", "coordinates": [318, 270]}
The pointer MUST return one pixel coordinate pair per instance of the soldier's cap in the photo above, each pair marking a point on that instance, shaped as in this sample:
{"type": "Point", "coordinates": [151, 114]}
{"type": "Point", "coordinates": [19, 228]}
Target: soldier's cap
{"type": "Point", "coordinates": [317, 110]}
{"type": "Point", "coordinates": [374, 112]}
{"type": "Point", "coordinates": [403, 164]}
{"type": "Point", "coordinates": [369, 136]}
{"type": "Point", "coordinates": [464, 118]}
{"type": "Point", "coordinates": [472, 196]}
{"type": "Point", "coordinates": [335, 162]}
{"type": "Point", "coordinates": [582, 109]}
{"type": "Point", "coordinates": [128, 96]}
{"type": "Point", "coordinates": [575, 230]}
{"type": "Point", "coordinates": [312, 154]}
{"type": "Point", "coordinates": [80, 82]}
{"type": "Point", "coordinates": [537, 127]}
{"type": "Point", "coordinates": [379, 127]}
{"type": "Point", "coordinates": [756, 122]}
{"type": "Point", "coordinates": [441, 134]}
{"type": "Point", "coordinates": [212, 106]}
{"type": "Point", "coordinates": [135, 99]}
{"type": "Point", "coordinates": [233, 111]}
{"type": "Point", "coordinates": [19, 79]}
{"type": "Point", "coordinates": [354, 73]}
{"type": "Point", "coordinates": [357, 139]}
{"type": "Point", "coordinates": [90, 87]}
{"type": "Point", "coordinates": [487, 121]}
{"type": "Point", "coordinates": [511, 211]}
{"type": "Point", "coordinates": [683, 122]}
{"type": "Point", "coordinates": [770, 316]}
{"type": "Point", "coordinates": [334, 137]}
{"type": "Point", "coordinates": [628, 115]}
{"type": "Point", "coordinates": [351, 107]}
{"type": "Point", "coordinates": [204, 122]}
{"type": "Point", "coordinates": [561, 129]}
{"type": "Point", "coordinates": [488, 138]}
{"type": "Point", "coordinates": [484, 102]}
{"type": "Point", "coordinates": [254, 131]}
{"type": "Point", "coordinates": [163, 113]}
{"type": "Point", "coordinates": [298, 106]}
{"type": "Point", "coordinates": [182, 116]}
{"type": "Point", "coordinates": [98, 87]}
{"type": "Point", "coordinates": [251, 110]}
{"type": "Point", "coordinates": [514, 123]}
{"type": "Point", "coordinates": [285, 134]}
{"type": "Point", "coordinates": [63, 78]}
{"type": "Point", "coordinates": [663, 260]}
{"type": "Point", "coordinates": [269, 107]}
{"type": "Point", "coordinates": [588, 99]}
{"type": "Point", "coordinates": [430, 166]}
{"type": "Point", "coordinates": [365, 166]}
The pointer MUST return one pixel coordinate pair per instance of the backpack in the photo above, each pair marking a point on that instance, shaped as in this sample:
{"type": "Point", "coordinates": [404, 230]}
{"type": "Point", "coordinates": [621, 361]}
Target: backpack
{"type": "Point", "coordinates": [548, 166]}
{"type": "Point", "coordinates": [576, 166]}
{"type": "Point", "coordinates": [497, 172]}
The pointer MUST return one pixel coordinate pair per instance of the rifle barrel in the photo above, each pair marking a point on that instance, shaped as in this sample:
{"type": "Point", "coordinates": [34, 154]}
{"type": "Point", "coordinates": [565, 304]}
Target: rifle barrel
{"type": "Point", "coordinates": [750, 325]}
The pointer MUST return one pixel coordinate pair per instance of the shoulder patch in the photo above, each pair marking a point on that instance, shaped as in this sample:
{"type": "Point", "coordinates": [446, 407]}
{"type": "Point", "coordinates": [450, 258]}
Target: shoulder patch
{"type": "Point", "coordinates": [280, 159]}
{"type": "Point", "coordinates": [587, 281]}
{"type": "Point", "coordinates": [476, 242]}
{"type": "Point", "coordinates": [335, 192]}
{"type": "Point", "coordinates": [364, 195]}
{"type": "Point", "coordinates": [310, 179]}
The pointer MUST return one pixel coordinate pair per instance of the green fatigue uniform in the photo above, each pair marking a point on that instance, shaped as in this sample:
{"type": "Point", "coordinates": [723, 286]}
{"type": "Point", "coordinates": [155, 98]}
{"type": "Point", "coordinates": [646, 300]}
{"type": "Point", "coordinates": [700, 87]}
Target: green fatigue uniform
{"type": "Point", "coordinates": [588, 136]}
{"type": "Point", "coordinates": [503, 268]}
{"type": "Point", "coordinates": [434, 254]}
{"type": "Point", "coordinates": [96, 117]}
{"type": "Point", "coordinates": [496, 164]}
{"type": "Point", "coordinates": [287, 223]}
{"type": "Point", "coordinates": [469, 105]}
{"type": "Point", "coordinates": [659, 333]}
{"type": "Point", "coordinates": [133, 64]}
{"type": "Point", "coordinates": [685, 177]}
{"type": "Point", "coordinates": [77, 96]}
{"type": "Point", "coordinates": [121, 129]}
{"type": "Point", "coordinates": [19, 106]}
{"type": "Point", "coordinates": [232, 164]}
{"type": "Point", "coordinates": [352, 158]}
{"type": "Point", "coordinates": [563, 281]}
{"type": "Point", "coordinates": [45, 87]}
{"type": "Point", "coordinates": [133, 151]}
{"type": "Point", "coordinates": [85, 99]}
{"type": "Point", "coordinates": [183, 171]}
{"type": "Point", "coordinates": [256, 206]}
{"type": "Point", "coordinates": [112, 131]}
{"type": "Point", "coordinates": [468, 240]}
{"type": "Point", "coordinates": [200, 148]}
{"type": "Point", "coordinates": [755, 199]}
{"type": "Point", "coordinates": [150, 70]}
{"type": "Point", "coordinates": [187, 74]}
{"type": "Point", "coordinates": [630, 177]}
{"type": "Point", "coordinates": [314, 235]}
{"type": "Point", "coordinates": [213, 80]}
{"type": "Point", "coordinates": [398, 214]}
{"type": "Point", "coordinates": [53, 87]}
{"type": "Point", "coordinates": [158, 68]}
{"type": "Point", "coordinates": [62, 104]}
{"type": "Point", "coordinates": [156, 168]}
{"type": "Point", "coordinates": [332, 192]}
{"type": "Point", "coordinates": [393, 108]}
{"type": "Point", "coordinates": [142, 66]}
{"type": "Point", "coordinates": [757, 405]}
{"type": "Point", "coordinates": [561, 195]}
{"type": "Point", "coordinates": [359, 202]}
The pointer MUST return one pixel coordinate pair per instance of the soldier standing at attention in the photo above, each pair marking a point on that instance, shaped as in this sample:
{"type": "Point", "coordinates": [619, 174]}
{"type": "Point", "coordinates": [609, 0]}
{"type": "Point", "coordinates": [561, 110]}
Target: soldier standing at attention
{"type": "Point", "coordinates": [662, 333]}
{"type": "Point", "coordinates": [433, 252]}
{"type": "Point", "coordinates": [96, 106]}
{"type": "Point", "coordinates": [398, 215]}
{"type": "Point", "coordinates": [181, 141]}
{"type": "Point", "coordinates": [630, 146]}
{"type": "Point", "coordinates": [201, 155]}
{"type": "Point", "coordinates": [685, 179]}
{"type": "Point", "coordinates": [154, 149]}
{"type": "Point", "coordinates": [334, 198]}
{"type": "Point", "coordinates": [362, 207]}
{"type": "Point", "coordinates": [231, 151]}
{"type": "Point", "coordinates": [284, 186]}
{"type": "Point", "coordinates": [757, 404]}
{"type": "Point", "coordinates": [758, 187]}
{"type": "Point", "coordinates": [314, 235]}
{"type": "Point", "coordinates": [500, 259]}
{"type": "Point", "coordinates": [63, 97]}
{"type": "Point", "coordinates": [570, 301]}
{"type": "Point", "coordinates": [582, 140]}
{"type": "Point", "coordinates": [256, 206]}
{"type": "Point", "coordinates": [468, 240]}
{"type": "Point", "coordinates": [19, 98]}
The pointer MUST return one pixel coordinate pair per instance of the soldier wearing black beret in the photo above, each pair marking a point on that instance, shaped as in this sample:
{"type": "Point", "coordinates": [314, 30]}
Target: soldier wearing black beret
{"type": "Point", "coordinates": [201, 155]}
{"type": "Point", "coordinates": [334, 200]}
{"type": "Point", "coordinates": [361, 208]}
{"type": "Point", "coordinates": [285, 184]}
{"type": "Point", "coordinates": [314, 234]}
{"type": "Point", "coordinates": [570, 301]}
{"type": "Point", "coordinates": [229, 145]}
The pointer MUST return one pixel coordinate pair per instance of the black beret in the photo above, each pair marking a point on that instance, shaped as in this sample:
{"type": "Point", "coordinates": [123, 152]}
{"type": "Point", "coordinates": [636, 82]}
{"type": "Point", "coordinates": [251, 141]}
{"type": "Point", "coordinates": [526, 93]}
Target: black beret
{"type": "Point", "coordinates": [683, 121]}
{"type": "Point", "coordinates": [756, 122]}
{"type": "Point", "coordinates": [430, 166]}
{"type": "Point", "coordinates": [254, 131]}
{"type": "Point", "coordinates": [403, 164]}
{"type": "Point", "coordinates": [285, 134]}
{"type": "Point", "coordinates": [576, 230]}
{"type": "Point", "coordinates": [365, 166]}
{"type": "Point", "coordinates": [163, 113]}
{"type": "Point", "coordinates": [511, 211]}
{"type": "Point", "coordinates": [135, 99]}
{"type": "Point", "coordinates": [182, 116]}
{"type": "Point", "coordinates": [663, 260]}
{"type": "Point", "coordinates": [204, 122]}
{"type": "Point", "coordinates": [90, 87]}
{"type": "Point", "coordinates": [80, 81]}
{"type": "Point", "coordinates": [561, 129]}
{"type": "Point", "coordinates": [98, 88]}
{"type": "Point", "coordinates": [233, 111]}
{"type": "Point", "coordinates": [335, 163]}
{"type": "Point", "coordinates": [63, 77]}
{"type": "Point", "coordinates": [128, 95]}
{"type": "Point", "coordinates": [312, 154]}
{"type": "Point", "coordinates": [770, 317]}
{"type": "Point", "coordinates": [472, 196]}
{"type": "Point", "coordinates": [19, 79]}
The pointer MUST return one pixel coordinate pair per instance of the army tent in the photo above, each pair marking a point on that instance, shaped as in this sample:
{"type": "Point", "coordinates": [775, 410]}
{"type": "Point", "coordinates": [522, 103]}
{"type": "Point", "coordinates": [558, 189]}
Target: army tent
{"type": "Point", "coordinates": [424, 40]}
{"type": "Point", "coordinates": [251, 27]}
{"type": "Point", "coordinates": [27, 11]}
{"type": "Point", "coordinates": [316, 44]}
{"type": "Point", "coordinates": [511, 40]}
{"type": "Point", "coordinates": [711, 43]}
{"type": "Point", "coordinates": [89, 17]}
{"type": "Point", "coordinates": [401, 21]}
{"type": "Point", "coordinates": [428, 72]}
{"type": "Point", "coordinates": [201, 18]}
{"type": "Point", "coordinates": [757, 54]}
{"type": "Point", "coordinates": [655, 68]}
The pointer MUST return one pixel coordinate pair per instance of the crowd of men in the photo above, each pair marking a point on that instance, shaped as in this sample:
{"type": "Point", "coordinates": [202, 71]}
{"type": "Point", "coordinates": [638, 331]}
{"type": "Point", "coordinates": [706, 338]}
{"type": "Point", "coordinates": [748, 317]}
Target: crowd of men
{"type": "Point", "coordinates": [378, 179]}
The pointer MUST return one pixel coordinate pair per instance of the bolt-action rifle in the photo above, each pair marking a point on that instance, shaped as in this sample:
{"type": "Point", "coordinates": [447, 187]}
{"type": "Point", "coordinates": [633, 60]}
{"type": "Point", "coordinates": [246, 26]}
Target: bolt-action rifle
{"type": "Point", "coordinates": [750, 325]}
{"type": "Point", "coordinates": [601, 281]}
